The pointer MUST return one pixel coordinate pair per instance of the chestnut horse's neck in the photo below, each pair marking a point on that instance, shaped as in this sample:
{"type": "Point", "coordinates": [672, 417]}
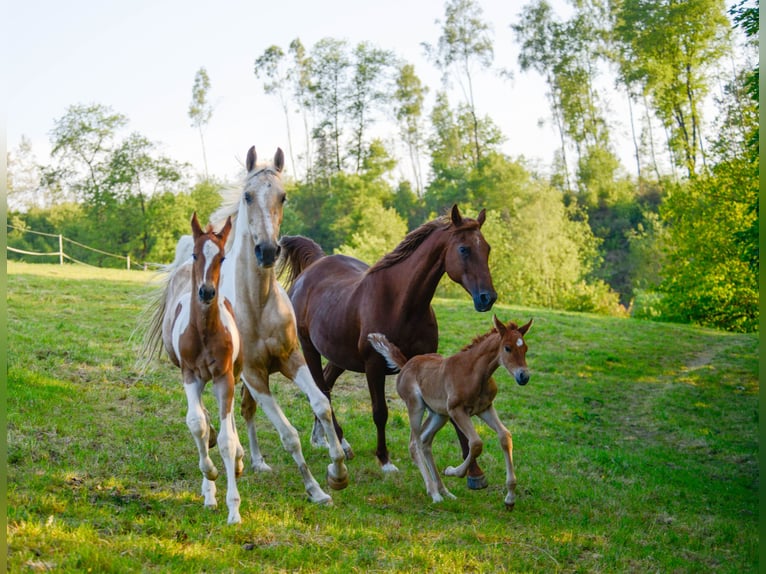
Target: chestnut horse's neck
{"type": "Point", "coordinates": [414, 279]}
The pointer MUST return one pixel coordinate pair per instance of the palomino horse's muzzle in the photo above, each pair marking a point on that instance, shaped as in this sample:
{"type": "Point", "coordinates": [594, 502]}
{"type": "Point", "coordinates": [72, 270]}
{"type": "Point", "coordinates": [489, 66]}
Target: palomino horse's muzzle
{"type": "Point", "coordinates": [267, 253]}
{"type": "Point", "coordinates": [483, 300]}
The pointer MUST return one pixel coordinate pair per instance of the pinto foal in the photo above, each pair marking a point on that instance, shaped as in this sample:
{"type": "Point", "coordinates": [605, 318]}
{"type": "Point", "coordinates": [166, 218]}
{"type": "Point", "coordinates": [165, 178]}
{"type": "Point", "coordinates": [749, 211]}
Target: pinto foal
{"type": "Point", "coordinates": [201, 338]}
{"type": "Point", "coordinates": [458, 387]}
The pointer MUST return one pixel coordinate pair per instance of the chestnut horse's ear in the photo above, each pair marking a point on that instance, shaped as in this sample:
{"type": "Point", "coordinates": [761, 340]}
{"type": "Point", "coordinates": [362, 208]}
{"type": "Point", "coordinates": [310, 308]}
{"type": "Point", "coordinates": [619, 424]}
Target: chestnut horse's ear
{"type": "Point", "coordinates": [482, 217]}
{"type": "Point", "coordinates": [457, 219]}
{"type": "Point", "coordinates": [499, 325]}
{"type": "Point", "coordinates": [196, 229]}
{"type": "Point", "coordinates": [224, 233]}
{"type": "Point", "coordinates": [524, 328]}
{"type": "Point", "coordinates": [279, 160]}
{"type": "Point", "coordinates": [251, 157]}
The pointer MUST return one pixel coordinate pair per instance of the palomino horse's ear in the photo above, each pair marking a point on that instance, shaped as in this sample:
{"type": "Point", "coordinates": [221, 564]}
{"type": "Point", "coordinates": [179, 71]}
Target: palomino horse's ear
{"type": "Point", "coordinates": [457, 219]}
{"type": "Point", "coordinates": [224, 233]}
{"type": "Point", "coordinates": [196, 229]}
{"type": "Point", "coordinates": [279, 160]}
{"type": "Point", "coordinates": [482, 217]}
{"type": "Point", "coordinates": [524, 328]}
{"type": "Point", "coordinates": [499, 325]}
{"type": "Point", "coordinates": [251, 157]}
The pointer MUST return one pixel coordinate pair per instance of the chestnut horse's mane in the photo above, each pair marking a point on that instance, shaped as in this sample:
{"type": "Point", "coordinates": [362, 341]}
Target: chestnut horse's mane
{"type": "Point", "coordinates": [479, 338]}
{"type": "Point", "coordinates": [412, 241]}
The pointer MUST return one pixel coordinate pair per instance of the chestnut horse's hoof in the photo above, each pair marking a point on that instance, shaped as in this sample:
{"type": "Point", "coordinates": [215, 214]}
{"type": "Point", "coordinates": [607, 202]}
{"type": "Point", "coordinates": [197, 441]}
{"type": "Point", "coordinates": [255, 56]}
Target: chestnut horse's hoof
{"type": "Point", "coordinates": [477, 482]}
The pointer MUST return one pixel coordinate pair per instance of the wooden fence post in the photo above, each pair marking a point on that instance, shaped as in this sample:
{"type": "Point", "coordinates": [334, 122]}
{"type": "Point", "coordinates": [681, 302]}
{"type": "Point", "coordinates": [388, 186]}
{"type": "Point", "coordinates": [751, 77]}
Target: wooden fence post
{"type": "Point", "coordinates": [61, 250]}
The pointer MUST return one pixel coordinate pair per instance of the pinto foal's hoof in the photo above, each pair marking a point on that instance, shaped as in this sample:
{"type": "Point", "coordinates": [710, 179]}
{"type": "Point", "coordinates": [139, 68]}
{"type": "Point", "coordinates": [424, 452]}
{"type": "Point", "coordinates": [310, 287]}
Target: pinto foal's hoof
{"type": "Point", "coordinates": [477, 482]}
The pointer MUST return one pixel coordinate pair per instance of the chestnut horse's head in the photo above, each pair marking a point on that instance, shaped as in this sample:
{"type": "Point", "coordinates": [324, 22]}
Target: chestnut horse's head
{"type": "Point", "coordinates": [513, 349]}
{"type": "Point", "coordinates": [467, 259]}
{"type": "Point", "coordinates": [208, 254]}
{"type": "Point", "coordinates": [263, 198]}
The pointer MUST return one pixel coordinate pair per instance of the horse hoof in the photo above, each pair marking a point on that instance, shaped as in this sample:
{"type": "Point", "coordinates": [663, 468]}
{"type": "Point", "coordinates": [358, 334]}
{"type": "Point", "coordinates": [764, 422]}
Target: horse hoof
{"type": "Point", "coordinates": [337, 484]}
{"type": "Point", "coordinates": [235, 518]}
{"type": "Point", "coordinates": [261, 467]}
{"type": "Point", "coordinates": [389, 467]}
{"type": "Point", "coordinates": [347, 449]}
{"type": "Point", "coordinates": [477, 482]}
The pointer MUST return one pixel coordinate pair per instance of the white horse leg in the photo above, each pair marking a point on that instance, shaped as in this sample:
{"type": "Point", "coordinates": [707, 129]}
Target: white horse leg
{"type": "Point", "coordinates": [506, 444]}
{"type": "Point", "coordinates": [227, 443]}
{"type": "Point", "coordinates": [337, 473]}
{"type": "Point", "coordinates": [200, 430]}
{"type": "Point", "coordinates": [291, 441]}
{"type": "Point", "coordinates": [248, 412]}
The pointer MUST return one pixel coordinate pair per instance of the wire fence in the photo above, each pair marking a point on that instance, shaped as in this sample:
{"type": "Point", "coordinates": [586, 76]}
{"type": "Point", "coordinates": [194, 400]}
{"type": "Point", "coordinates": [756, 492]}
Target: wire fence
{"type": "Point", "coordinates": [63, 256]}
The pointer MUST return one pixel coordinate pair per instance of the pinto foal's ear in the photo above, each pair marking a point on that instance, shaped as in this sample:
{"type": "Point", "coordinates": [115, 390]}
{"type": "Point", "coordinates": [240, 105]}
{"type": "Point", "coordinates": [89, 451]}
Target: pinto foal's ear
{"type": "Point", "coordinates": [279, 160]}
{"type": "Point", "coordinates": [251, 157]}
{"type": "Point", "coordinates": [499, 325]}
{"type": "Point", "coordinates": [524, 328]}
{"type": "Point", "coordinates": [482, 217]}
{"type": "Point", "coordinates": [196, 229]}
{"type": "Point", "coordinates": [457, 219]}
{"type": "Point", "coordinates": [224, 233]}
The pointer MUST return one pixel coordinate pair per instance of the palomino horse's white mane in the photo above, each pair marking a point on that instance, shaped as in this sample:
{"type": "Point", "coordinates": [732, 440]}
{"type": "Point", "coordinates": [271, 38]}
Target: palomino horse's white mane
{"type": "Point", "coordinates": [231, 195]}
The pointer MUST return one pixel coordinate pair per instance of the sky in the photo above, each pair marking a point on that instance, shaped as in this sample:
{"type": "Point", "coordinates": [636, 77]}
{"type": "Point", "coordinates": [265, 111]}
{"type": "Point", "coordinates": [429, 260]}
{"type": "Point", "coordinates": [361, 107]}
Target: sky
{"type": "Point", "coordinates": [139, 57]}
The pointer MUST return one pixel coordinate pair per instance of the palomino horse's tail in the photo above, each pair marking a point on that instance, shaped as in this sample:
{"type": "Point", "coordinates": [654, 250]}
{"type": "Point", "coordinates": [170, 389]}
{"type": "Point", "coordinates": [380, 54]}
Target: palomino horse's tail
{"type": "Point", "coordinates": [298, 252]}
{"type": "Point", "coordinates": [394, 357]}
{"type": "Point", "coordinates": [150, 320]}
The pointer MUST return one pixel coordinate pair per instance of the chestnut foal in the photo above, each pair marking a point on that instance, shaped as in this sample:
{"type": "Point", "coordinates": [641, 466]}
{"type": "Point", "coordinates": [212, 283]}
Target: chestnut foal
{"type": "Point", "coordinates": [458, 387]}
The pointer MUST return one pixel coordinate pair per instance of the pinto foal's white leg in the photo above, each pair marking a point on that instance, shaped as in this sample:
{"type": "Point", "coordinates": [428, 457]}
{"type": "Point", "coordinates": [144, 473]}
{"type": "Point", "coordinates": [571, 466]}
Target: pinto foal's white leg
{"type": "Point", "coordinates": [506, 444]}
{"type": "Point", "coordinates": [337, 473]}
{"type": "Point", "coordinates": [197, 422]}
{"type": "Point", "coordinates": [291, 441]}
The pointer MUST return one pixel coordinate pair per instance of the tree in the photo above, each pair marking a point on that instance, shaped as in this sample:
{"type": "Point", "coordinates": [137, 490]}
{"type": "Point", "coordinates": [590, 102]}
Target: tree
{"type": "Point", "coordinates": [409, 96]}
{"type": "Point", "coordinates": [465, 39]}
{"type": "Point", "coordinates": [200, 109]}
{"type": "Point", "coordinates": [23, 178]}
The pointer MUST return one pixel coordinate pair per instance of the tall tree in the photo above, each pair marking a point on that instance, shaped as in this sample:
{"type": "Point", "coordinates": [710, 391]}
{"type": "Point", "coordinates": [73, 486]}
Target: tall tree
{"type": "Point", "coordinates": [668, 47]}
{"type": "Point", "coordinates": [465, 40]}
{"type": "Point", "coordinates": [409, 97]}
{"type": "Point", "coordinates": [200, 109]}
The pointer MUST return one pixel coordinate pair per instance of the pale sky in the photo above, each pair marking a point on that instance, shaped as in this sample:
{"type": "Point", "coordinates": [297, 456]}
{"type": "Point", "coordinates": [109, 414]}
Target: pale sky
{"type": "Point", "coordinates": [139, 57]}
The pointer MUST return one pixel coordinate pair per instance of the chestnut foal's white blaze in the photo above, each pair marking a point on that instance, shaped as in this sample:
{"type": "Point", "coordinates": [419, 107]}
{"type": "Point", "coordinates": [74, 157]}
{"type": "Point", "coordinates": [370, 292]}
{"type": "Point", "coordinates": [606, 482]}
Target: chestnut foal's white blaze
{"type": "Point", "coordinates": [200, 336]}
{"type": "Point", "coordinates": [457, 387]}
{"type": "Point", "coordinates": [266, 320]}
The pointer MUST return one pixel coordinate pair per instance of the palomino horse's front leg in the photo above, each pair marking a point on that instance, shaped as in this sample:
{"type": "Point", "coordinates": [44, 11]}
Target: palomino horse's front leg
{"type": "Point", "coordinates": [330, 374]}
{"type": "Point", "coordinates": [258, 387]}
{"type": "Point", "coordinates": [337, 473]}
{"type": "Point", "coordinates": [197, 421]}
{"type": "Point", "coordinates": [228, 444]}
{"type": "Point", "coordinates": [248, 413]}
{"type": "Point", "coordinates": [506, 444]}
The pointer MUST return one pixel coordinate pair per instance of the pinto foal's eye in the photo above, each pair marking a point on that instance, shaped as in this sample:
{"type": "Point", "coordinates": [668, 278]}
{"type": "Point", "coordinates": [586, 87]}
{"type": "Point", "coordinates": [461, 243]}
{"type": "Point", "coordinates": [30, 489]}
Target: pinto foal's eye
{"type": "Point", "coordinates": [194, 256]}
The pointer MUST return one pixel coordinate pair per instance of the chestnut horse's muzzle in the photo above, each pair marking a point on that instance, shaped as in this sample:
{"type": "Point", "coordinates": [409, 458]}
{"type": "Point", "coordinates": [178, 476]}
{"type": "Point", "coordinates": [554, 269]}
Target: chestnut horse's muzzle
{"type": "Point", "coordinates": [267, 253]}
{"type": "Point", "coordinates": [483, 300]}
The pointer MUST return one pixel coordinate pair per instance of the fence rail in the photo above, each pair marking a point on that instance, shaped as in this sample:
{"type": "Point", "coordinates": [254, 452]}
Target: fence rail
{"type": "Point", "coordinates": [62, 255]}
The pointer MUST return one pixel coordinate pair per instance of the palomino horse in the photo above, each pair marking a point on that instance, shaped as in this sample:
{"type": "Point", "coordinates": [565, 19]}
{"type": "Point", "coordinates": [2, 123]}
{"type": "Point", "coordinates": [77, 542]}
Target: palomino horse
{"type": "Point", "coordinates": [339, 300]}
{"type": "Point", "coordinates": [266, 320]}
{"type": "Point", "coordinates": [456, 388]}
{"type": "Point", "coordinates": [195, 325]}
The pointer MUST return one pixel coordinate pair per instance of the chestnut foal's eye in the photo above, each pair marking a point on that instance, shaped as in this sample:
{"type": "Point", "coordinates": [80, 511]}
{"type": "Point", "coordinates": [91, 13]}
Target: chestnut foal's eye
{"type": "Point", "coordinates": [507, 349]}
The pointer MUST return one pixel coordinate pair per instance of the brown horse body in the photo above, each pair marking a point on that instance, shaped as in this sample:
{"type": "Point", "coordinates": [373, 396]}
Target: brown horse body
{"type": "Point", "coordinates": [339, 300]}
{"type": "Point", "coordinates": [458, 387]}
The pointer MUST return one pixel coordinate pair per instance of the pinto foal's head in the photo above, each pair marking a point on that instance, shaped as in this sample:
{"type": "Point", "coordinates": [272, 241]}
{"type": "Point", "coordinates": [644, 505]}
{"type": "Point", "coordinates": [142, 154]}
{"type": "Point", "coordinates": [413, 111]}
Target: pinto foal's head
{"type": "Point", "coordinates": [513, 349]}
{"type": "Point", "coordinates": [208, 255]}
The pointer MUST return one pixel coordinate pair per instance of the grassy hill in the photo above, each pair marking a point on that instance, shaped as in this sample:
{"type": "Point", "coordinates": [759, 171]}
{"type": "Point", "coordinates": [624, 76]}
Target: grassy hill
{"type": "Point", "coordinates": [636, 449]}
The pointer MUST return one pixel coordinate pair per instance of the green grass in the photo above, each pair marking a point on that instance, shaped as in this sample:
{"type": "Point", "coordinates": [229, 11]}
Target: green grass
{"type": "Point", "coordinates": [635, 442]}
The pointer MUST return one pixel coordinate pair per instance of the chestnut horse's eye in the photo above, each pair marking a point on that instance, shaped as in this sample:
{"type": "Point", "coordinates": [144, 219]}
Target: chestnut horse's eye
{"type": "Point", "coordinates": [464, 250]}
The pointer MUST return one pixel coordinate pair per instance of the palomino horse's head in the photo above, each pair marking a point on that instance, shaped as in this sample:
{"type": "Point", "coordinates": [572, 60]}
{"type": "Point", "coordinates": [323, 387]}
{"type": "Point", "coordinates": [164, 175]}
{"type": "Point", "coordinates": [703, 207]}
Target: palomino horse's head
{"type": "Point", "coordinates": [208, 255]}
{"type": "Point", "coordinates": [263, 198]}
{"type": "Point", "coordinates": [466, 259]}
{"type": "Point", "coordinates": [513, 349]}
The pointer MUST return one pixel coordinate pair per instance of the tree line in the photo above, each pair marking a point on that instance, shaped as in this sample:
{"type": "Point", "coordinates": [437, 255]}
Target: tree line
{"type": "Point", "coordinates": [676, 238]}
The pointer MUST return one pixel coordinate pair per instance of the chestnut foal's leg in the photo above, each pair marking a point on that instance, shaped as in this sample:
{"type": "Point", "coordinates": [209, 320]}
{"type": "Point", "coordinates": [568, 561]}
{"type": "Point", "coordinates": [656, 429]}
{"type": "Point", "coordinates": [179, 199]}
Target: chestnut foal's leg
{"type": "Point", "coordinates": [506, 444]}
{"type": "Point", "coordinates": [476, 480]}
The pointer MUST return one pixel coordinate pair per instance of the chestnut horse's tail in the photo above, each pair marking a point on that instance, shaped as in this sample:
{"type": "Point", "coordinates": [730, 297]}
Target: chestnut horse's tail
{"type": "Point", "coordinates": [298, 252]}
{"type": "Point", "coordinates": [394, 357]}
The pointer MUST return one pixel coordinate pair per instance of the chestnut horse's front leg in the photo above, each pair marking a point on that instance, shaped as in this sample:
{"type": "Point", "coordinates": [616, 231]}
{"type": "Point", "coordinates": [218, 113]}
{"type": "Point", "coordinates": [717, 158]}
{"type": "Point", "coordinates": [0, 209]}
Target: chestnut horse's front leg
{"type": "Point", "coordinates": [375, 370]}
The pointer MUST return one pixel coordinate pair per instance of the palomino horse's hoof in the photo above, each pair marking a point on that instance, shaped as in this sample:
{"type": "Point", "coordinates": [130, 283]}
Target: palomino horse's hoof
{"type": "Point", "coordinates": [337, 483]}
{"type": "Point", "coordinates": [477, 482]}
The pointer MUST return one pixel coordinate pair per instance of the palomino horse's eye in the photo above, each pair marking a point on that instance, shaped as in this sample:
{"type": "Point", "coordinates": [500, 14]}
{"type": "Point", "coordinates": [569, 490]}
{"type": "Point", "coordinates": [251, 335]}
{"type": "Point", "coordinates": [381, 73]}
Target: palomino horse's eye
{"type": "Point", "coordinates": [283, 198]}
{"type": "Point", "coordinates": [248, 197]}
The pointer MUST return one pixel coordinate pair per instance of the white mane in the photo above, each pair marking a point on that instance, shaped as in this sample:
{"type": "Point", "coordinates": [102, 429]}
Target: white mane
{"type": "Point", "coordinates": [231, 194]}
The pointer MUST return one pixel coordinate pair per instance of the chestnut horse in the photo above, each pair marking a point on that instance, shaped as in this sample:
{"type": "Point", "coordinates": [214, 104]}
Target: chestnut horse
{"type": "Point", "coordinates": [196, 327]}
{"type": "Point", "coordinates": [456, 388]}
{"type": "Point", "coordinates": [339, 300]}
{"type": "Point", "coordinates": [266, 320]}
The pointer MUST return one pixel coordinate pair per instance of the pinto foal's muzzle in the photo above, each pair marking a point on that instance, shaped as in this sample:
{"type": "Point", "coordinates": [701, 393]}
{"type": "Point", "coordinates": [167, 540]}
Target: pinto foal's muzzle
{"type": "Point", "coordinates": [206, 293]}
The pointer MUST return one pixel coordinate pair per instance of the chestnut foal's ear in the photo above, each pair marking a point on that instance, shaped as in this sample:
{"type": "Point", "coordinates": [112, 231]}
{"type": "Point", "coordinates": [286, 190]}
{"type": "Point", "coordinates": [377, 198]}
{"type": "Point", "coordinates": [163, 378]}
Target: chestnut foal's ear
{"type": "Point", "coordinates": [279, 160]}
{"type": "Point", "coordinates": [524, 328]}
{"type": "Point", "coordinates": [482, 217]}
{"type": "Point", "coordinates": [457, 219]}
{"type": "Point", "coordinates": [224, 233]}
{"type": "Point", "coordinates": [251, 157]}
{"type": "Point", "coordinates": [196, 229]}
{"type": "Point", "coordinates": [499, 325]}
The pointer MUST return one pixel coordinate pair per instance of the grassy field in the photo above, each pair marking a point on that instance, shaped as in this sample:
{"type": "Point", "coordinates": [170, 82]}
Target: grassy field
{"type": "Point", "coordinates": [636, 448]}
